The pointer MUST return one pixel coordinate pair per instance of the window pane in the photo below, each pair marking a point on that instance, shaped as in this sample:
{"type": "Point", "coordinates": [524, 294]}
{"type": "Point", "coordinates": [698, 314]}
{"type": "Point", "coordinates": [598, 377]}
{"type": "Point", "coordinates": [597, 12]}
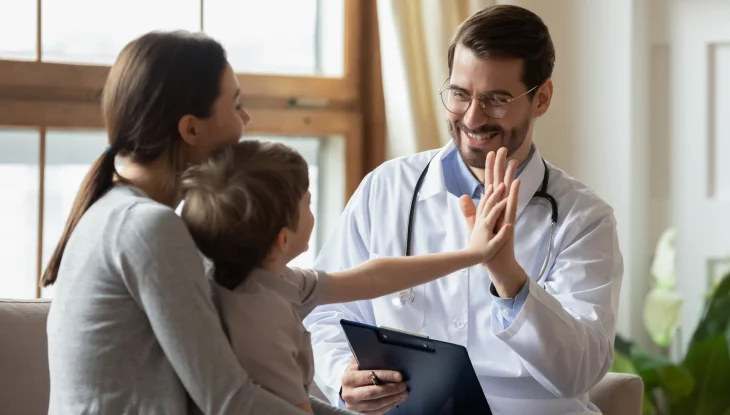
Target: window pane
{"type": "Point", "coordinates": [294, 37]}
{"type": "Point", "coordinates": [69, 155]}
{"type": "Point", "coordinates": [93, 31]}
{"type": "Point", "coordinates": [17, 29]}
{"type": "Point", "coordinates": [309, 149]}
{"type": "Point", "coordinates": [19, 213]}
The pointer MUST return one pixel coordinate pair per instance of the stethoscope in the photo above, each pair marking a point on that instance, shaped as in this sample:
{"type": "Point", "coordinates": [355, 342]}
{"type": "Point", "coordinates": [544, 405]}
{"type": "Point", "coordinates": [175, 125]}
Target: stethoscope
{"type": "Point", "coordinates": [409, 296]}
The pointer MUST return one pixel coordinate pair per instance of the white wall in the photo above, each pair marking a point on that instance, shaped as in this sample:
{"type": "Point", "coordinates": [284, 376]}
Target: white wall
{"type": "Point", "coordinates": [596, 127]}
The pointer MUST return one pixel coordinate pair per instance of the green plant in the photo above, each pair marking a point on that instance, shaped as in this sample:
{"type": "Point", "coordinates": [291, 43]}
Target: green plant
{"type": "Point", "coordinates": [700, 383]}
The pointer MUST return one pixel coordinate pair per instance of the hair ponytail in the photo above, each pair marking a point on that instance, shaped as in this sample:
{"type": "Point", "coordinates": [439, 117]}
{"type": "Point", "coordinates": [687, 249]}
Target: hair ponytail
{"type": "Point", "coordinates": [97, 181]}
{"type": "Point", "coordinates": [142, 104]}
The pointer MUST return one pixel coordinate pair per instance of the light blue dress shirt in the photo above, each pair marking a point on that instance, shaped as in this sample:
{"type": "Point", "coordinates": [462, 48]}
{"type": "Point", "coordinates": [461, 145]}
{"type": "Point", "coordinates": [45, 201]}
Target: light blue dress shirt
{"type": "Point", "coordinates": [459, 181]}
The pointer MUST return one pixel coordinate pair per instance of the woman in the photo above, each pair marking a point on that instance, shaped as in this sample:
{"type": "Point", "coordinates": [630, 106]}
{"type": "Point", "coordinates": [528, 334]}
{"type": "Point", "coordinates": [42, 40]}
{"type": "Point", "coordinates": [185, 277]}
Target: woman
{"type": "Point", "coordinates": [132, 328]}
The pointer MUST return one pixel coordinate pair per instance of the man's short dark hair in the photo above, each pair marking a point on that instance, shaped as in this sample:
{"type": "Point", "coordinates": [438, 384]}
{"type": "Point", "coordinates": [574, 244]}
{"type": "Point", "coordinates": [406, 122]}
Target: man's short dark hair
{"type": "Point", "coordinates": [506, 31]}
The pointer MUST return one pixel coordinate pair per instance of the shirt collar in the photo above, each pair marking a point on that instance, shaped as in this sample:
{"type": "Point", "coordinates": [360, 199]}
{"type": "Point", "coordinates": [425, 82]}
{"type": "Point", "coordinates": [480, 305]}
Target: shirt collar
{"type": "Point", "coordinates": [531, 175]}
{"type": "Point", "coordinates": [459, 180]}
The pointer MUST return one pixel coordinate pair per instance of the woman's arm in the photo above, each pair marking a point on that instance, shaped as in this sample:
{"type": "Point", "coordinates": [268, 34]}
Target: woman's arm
{"type": "Point", "coordinates": [161, 267]}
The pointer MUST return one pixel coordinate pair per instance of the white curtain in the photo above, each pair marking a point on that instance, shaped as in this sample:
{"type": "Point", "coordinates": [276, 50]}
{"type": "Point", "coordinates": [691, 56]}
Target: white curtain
{"type": "Point", "coordinates": [414, 39]}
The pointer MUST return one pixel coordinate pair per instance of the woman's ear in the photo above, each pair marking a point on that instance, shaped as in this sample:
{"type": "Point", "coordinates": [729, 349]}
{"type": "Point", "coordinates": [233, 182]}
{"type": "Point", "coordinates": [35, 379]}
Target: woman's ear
{"type": "Point", "coordinates": [188, 129]}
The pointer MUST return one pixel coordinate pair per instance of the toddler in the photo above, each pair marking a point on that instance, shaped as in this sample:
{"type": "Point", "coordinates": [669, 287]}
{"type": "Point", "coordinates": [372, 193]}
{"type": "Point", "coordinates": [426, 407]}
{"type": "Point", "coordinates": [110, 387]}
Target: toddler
{"type": "Point", "coordinates": [247, 208]}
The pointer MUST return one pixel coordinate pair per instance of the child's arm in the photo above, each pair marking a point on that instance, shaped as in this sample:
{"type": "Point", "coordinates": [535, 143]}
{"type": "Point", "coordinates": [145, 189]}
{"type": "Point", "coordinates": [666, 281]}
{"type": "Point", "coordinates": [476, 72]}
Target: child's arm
{"type": "Point", "coordinates": [381, 276]}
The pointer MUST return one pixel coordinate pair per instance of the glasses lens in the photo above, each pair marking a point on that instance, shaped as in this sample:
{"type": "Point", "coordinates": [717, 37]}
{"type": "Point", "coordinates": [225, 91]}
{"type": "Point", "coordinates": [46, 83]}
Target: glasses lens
{"type": "Point", "coordinates": [455, 102]}
{"type": "Point", "coordinates": [494, 106]}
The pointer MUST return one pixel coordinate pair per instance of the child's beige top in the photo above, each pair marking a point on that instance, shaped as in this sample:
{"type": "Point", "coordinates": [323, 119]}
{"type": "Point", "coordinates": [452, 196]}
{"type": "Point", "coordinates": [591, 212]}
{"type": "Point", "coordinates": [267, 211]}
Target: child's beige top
{"type": "Point", "coordinates": [263, 317]}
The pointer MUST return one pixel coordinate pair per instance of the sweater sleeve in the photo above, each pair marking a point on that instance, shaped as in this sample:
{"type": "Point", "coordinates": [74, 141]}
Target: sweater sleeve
{"type": "Point", "coordinates": [164, 273]}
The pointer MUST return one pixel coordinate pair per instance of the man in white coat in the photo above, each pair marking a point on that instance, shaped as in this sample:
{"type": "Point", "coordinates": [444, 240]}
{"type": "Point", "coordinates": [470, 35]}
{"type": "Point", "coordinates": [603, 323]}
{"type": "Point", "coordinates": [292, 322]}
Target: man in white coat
{"type": "Point", "coordinates": [539, 334]}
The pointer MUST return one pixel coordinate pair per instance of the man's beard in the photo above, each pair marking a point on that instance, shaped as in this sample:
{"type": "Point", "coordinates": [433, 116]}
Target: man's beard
{"type": "Point", "coordinates": [476, 157]}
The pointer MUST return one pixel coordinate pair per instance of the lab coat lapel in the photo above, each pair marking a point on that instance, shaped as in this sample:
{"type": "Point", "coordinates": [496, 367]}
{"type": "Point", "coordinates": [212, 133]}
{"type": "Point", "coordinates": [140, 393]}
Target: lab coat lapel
{"type": "Point", "coordinates": [530, 181]}
{"type": "Point", "coordinates": [433, 183]}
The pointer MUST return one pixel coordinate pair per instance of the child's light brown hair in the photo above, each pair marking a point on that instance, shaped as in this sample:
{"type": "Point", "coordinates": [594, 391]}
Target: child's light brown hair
{"type": "Point", "coordinates": [238, 201]}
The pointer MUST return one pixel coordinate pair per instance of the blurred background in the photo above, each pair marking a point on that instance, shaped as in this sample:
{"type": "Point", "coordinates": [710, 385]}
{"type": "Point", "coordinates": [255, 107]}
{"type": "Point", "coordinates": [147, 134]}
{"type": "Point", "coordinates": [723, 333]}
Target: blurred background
{"type": "Point", "coordinates": [641, 113]}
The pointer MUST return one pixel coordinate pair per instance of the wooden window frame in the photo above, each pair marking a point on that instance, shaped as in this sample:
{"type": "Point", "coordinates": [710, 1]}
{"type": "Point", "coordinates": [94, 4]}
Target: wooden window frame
{"type": "Point", "coordinates": [44, 95]}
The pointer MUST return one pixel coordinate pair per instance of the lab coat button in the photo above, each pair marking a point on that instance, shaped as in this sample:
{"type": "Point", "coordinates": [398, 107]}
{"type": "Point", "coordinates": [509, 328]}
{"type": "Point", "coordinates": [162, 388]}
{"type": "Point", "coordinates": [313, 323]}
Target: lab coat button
{"type": "Point", "coordinates": [459, 323]}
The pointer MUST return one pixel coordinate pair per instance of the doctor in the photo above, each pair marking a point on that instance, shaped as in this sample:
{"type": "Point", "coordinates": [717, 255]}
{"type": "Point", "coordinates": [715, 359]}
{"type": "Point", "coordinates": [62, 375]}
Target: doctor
{"type": "Point", "coordinates": [538, 319]}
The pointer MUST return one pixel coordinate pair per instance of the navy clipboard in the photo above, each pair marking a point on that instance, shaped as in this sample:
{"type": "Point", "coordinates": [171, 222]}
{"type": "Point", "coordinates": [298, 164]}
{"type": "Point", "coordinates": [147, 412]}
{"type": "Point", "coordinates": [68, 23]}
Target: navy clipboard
{"type": "Point", "coordinates": [440, 377]}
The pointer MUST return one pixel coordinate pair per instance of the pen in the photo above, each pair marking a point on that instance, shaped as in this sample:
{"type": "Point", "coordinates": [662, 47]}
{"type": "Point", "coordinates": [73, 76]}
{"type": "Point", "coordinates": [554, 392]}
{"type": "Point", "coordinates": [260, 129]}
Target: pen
{"type": "Point", "coordinates": [376, 380]}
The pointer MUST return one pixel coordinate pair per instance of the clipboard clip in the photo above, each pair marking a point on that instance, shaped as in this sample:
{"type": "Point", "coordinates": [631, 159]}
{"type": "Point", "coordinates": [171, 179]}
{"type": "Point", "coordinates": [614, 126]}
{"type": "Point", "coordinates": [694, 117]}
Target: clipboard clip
{"type": "Point", "coordinates": [405, 332]}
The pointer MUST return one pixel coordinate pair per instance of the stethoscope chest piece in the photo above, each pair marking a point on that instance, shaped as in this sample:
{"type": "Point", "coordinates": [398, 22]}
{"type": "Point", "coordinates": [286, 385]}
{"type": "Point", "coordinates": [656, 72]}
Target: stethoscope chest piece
{"type": "Point", "coordinates": [406, 296]}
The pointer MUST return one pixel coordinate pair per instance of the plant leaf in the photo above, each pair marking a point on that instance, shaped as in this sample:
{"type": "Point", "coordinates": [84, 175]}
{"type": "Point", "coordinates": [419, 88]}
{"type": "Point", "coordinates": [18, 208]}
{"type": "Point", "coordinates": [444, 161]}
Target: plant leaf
{"type": "Point", "coordinates": [662, 267]}
{"type": "Point", "coordinates": [622, 345]}
{"type": "Point", "coordinates": [648, 407]}
{"type": "Point", "coordinates": [622, 364]}
{"type": "Point", "coordinates": [709, 363]}
{"type": "Point", "coordinates": [716, 317]}
{"type": "Point", "coordinates": [662, 315]}
{"type": "Point", "coordinates": [676, 381]}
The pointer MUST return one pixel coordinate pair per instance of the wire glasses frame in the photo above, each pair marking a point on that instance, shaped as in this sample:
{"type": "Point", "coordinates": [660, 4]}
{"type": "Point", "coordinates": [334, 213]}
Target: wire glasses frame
{"type": "Point", "coordinates": [458, 102]}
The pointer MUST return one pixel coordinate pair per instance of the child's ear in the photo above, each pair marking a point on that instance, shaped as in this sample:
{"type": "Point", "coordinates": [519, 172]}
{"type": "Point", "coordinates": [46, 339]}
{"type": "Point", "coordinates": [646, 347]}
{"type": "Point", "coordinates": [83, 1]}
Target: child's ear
{"type": "Point", "coordinates": [281, 241]}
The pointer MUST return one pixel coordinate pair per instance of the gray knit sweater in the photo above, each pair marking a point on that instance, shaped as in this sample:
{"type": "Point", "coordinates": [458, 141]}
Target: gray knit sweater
{"type": "Point", "coordinates": [132, 327]}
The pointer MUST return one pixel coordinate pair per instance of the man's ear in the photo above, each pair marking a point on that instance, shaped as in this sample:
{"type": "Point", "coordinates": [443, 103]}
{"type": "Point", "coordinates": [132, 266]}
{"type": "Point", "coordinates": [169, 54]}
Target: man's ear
{"type": "Point", "coordinates": [543, 97]}
{"type": "Point", "coordinates": [188, 129]}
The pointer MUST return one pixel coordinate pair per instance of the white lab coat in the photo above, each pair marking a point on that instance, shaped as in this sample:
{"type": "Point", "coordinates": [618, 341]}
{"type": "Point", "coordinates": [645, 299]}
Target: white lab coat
{"type": "Point", "coordinates": [561, 342]}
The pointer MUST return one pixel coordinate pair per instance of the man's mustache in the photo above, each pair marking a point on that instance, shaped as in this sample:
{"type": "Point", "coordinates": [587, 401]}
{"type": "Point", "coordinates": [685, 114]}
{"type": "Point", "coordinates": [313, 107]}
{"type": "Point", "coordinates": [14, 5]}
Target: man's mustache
{"type": "Point", "coordinates": [484, 129]}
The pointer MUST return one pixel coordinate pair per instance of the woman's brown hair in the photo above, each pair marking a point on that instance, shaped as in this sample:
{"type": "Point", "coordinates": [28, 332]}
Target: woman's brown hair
{"type": "Point", "coordinates": [157, 79]}
{"type": "Point", "coordinates": [237, 202]}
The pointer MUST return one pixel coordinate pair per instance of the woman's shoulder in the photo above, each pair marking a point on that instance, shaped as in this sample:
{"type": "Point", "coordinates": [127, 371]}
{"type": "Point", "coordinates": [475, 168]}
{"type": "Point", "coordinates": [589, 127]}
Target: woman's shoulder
{"type": "Point", "coordinates": [131, 220]}
{"type": "Point", "coordinates": [138, 213]}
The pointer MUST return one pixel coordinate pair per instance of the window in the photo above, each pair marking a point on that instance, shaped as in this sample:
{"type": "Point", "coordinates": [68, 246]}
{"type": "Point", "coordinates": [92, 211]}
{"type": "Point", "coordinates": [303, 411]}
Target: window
{"type": "Point", "coordinates": [93, 31]}
{"type": "Point", "coordinates": [298, 64]}
{"type": "Point", "coordinates": [17, 29]}
{"type": "Point", "coordinates": [303, 37]}
{"type": "Point", "coordinates": [19, 155]}
{"type": "Point", "coordinates": [69, 155]}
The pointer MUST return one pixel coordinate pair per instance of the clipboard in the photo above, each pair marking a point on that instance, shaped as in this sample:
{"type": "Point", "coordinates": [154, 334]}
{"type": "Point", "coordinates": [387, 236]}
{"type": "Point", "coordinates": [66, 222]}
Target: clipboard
{"type": "Point", "coordinates": [440, 377]}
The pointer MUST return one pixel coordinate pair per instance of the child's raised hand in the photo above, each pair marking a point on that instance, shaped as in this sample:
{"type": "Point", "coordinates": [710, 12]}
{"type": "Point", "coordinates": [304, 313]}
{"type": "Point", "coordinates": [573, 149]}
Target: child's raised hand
{"type": "Point", "coordinates": [482, 221]}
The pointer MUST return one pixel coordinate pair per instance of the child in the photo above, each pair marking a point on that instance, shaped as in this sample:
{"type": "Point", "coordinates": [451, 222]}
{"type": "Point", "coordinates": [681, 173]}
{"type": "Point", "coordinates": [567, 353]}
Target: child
{"type": "Point", "coordinates": [248, 210]}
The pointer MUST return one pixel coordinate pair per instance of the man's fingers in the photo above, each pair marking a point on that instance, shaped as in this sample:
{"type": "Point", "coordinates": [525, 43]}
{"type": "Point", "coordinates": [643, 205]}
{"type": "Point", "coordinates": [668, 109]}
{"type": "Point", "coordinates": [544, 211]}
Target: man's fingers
{"type": "Point", "coordinates": [357, 378]}
{"type": "Point", "coordinates": [513, 198]}
{"type": "Point", "coordinates": [385, 409]}
{"type": "Point", "coordinates": [500, 165]}
{"type": "Point", "coordinates": [372, 392]}
{"type": "Point", "coordinates": [489, 169]}
{"type": "Point", "coordinates": [352, 365]}
{"type": "Point", "coordinates": [377, 406]}
{"type": "Point", "coordinates": [509, 174]}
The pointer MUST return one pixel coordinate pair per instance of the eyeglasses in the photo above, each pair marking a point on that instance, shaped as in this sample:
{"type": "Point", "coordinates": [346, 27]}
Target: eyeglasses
{"type": "Point", "coordinates": [457, 101]}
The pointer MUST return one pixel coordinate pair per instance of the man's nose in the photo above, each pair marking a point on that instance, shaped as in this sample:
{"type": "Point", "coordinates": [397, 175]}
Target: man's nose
{"type": "Point", "coordinates": [474, 116]}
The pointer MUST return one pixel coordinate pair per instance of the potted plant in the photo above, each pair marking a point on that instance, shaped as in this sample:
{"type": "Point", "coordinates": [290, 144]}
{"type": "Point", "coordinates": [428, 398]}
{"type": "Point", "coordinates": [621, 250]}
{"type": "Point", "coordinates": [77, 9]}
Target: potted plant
{"type": "Point", "coordinates": [700, 382]}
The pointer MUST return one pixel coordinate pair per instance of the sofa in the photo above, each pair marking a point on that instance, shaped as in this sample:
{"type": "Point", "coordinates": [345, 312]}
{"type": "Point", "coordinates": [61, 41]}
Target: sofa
{"type": "Point", "coordinates": [24, 382]}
